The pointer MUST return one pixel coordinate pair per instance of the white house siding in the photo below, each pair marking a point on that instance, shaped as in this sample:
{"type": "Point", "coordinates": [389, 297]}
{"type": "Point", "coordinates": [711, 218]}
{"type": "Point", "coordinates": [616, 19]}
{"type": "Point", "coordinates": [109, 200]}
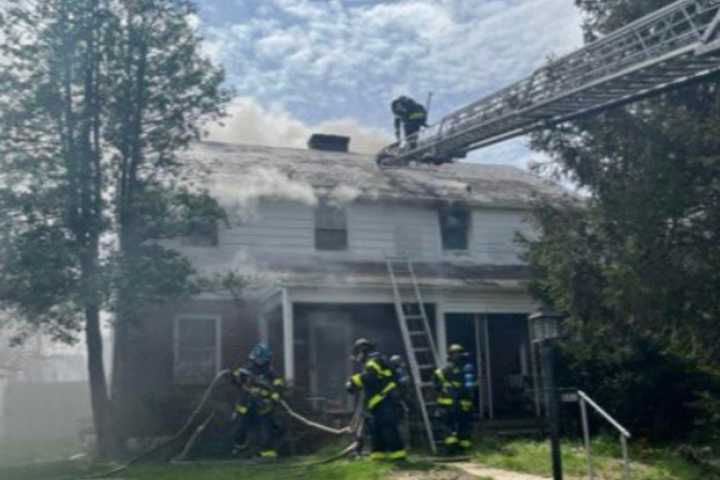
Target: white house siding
{"type": "Point", "coordinates": [493, 236]}
{"type": "Point", "coordinates": [283, 229]}
{"type": "Point", "coordinates": [277, 228]}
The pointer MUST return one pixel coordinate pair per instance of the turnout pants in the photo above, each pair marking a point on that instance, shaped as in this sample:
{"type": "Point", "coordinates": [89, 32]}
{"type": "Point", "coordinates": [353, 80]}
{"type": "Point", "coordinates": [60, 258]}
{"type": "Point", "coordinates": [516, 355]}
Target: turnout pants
{"type": "Point", "coordinates": [385, 439]}
{"type": "Point", "coordinates": [458, 429]}
{"type": "Point", "coordinates": [263, 431]}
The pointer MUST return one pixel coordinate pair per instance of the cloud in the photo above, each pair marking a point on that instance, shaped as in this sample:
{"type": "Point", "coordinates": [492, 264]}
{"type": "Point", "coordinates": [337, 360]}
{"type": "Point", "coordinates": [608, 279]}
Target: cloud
{"type": "Point", "coordinates": [452, 47]}
{"type": "Point", "coordinates": [304, 66]}
{"type": "Point", "coordinates": [249, 122]}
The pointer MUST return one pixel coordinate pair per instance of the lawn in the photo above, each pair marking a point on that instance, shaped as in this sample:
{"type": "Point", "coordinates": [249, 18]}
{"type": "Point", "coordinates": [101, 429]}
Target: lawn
{"type": "Point", "coordinates": [529, 456]}
{"type": "Point", "coordinates": [532, 456]}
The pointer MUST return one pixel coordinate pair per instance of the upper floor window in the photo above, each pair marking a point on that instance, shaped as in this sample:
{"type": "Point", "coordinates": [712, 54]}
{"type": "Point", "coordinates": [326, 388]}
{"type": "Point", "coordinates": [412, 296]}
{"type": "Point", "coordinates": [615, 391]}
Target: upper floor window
{"type": "Point", "coordinates": [197, 348]}
{"type": "Point", "coordinates": [455, 227]}
{"type": "Point", "coordinates": [330, 227]}
{"type": "Point", "coordinates": [202, 234]}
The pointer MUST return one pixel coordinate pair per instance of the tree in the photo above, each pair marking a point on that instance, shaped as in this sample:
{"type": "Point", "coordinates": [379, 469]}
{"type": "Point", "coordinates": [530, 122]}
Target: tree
{"type": "Point", "coordinates": [97, 99]}
{"type": "Point", "coordinates": [635, 264]}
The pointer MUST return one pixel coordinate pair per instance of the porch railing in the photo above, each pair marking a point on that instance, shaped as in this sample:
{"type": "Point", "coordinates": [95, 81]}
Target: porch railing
{"type": "Point", "coordinates": [585, 400]}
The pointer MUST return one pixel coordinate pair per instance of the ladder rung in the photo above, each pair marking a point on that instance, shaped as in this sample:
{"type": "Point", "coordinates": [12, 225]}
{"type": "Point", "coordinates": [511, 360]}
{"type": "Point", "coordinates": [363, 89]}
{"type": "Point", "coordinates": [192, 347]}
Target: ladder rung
{"type": "Point", "coordinates": [417, 332]}
{"type": "Point", "coordinates": [414, 317]}
{"type": "Point", "coordinates": [422, 350]}
{"type": "Point", "coordinates": [426, 366]}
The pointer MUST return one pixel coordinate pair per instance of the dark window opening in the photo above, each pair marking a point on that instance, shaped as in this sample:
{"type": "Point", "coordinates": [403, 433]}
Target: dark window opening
{"type": "Point", "coordinates": [202, 234]}
{"type": "Point", "coordinates": [455, 227]}
{"type": "Point", "coordinates": [330, 228]}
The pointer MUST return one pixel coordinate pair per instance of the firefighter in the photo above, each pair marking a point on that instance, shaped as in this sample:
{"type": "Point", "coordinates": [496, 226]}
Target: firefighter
{"type": "Point", "coordinates": [256, 407]}
{"type": "Point", "coordinates": [377, 380]}
{"type": "Point", "coordinates": [455, 400]}
{"type": "Point", "coordinates": [411, 115]}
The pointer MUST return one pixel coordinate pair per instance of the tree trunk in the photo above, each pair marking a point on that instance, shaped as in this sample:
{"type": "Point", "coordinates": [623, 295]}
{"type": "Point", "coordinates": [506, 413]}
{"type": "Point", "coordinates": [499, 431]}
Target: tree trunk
{"type": "Point", "coordinates": [99, 400]}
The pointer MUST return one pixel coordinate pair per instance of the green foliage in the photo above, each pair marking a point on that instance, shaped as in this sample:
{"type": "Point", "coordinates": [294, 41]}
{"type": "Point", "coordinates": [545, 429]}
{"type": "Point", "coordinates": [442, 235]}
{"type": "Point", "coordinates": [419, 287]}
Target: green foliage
{"type": "Point", "coordinates": [106, 97]}
{"type": "Point", "coordinates": [100, 100]}
{"type": "Point", "coordinates": [635, 262]}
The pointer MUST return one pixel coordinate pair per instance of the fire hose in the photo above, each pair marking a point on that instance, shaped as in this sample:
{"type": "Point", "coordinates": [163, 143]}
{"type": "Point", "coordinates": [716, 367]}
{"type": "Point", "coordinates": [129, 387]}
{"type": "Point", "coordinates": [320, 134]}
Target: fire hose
{"type": "Point", "coordinates": [354, 427]}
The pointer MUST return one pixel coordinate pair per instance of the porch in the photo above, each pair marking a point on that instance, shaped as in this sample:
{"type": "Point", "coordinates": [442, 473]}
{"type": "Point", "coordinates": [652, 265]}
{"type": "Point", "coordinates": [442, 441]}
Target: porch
{"type": "Point", "coordinates": [312, 331]}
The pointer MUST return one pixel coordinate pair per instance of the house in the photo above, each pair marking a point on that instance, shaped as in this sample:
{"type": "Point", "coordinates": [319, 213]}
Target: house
{"type": "Point", "coordinates": [314, 228]}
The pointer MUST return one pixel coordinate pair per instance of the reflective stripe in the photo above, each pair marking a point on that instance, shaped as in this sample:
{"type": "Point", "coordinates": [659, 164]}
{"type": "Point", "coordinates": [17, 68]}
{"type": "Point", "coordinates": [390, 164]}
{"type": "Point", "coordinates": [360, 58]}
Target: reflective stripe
{"type": "Point", "coordinates": [451, 440]}
{"type": "Point", "coordinates": [241, 409]}
{"type": "Point", "coordinates": [378, 456]}
{"type": "Point", "coordinates": [445, 401]}
{"type": "Point", "coordinates": [374, 365]}
{"type": "Point", "coordinates": [416, 115]}
{"type": "Point", "coordinates": [268, 454]}
{"type": "Point", "coordinates": [275, 396]}
{"type": "Point", "coordinates": [397, 455]}
{"type": "Point", "coordinates": [356, 380]}
{"type": "Point", "coordinates": [379, 397]}
{"type": "Point", "coordinates": [466, 405]}
{"type": "Point", "coordinates": [278, 382]}
{"type": "Point", "coordinates": [465, 443]}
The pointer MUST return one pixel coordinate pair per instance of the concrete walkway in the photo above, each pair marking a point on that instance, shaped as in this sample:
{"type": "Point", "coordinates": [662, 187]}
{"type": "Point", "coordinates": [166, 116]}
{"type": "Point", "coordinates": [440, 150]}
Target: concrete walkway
{"type": "Point", "coordinates": [478, 470]}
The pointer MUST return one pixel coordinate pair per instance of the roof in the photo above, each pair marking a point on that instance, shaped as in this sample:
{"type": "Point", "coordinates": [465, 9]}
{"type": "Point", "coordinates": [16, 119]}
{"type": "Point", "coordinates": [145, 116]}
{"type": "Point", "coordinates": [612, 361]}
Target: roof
{"type": "Point", "coordinates": [239, 172]}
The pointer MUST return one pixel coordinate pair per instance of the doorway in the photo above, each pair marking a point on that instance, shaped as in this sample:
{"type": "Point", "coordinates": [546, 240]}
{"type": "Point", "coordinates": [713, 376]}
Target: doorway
{"type": "Point", "coordinates": [499, 349]}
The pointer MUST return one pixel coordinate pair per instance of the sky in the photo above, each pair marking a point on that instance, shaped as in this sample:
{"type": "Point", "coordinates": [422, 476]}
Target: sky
{"type": "Point", "coordinates": [333, 66]}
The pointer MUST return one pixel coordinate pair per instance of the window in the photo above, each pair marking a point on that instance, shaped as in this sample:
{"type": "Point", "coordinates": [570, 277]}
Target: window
{"type": "Point", "coordinates": [202, 234]}
{"type": "Point", "coordinates": [455, 227]}
{"type": "Point", "coordinates": [197, 348]}
{"type": "Point", "coordinates": [330, 228]}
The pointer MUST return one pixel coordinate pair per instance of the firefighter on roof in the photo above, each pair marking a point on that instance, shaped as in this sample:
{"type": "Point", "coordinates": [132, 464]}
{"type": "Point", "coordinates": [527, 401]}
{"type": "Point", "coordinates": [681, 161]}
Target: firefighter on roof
{"type": "Point", "coordinates": [377, 380]}
{"type": "Point", "coordinates": [455, 386]}
{"type": "Point", "coordinates": [411, 116]}
{"type": "Point", "coordinates": [260, 391]}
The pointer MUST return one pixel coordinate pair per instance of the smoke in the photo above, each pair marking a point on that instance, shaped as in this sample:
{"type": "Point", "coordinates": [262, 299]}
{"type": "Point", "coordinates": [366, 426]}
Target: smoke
{"type": "Point", "coordinates": [267, 183]}
{"type": "Point", "coordinates": [343, 194]}
{"type": "Point", "coordinates": [252, 123]}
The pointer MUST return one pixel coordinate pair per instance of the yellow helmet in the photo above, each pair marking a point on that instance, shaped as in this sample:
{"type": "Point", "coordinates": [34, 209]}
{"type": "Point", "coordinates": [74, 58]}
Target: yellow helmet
{"type": "Point", "coordinates": [456, 348]}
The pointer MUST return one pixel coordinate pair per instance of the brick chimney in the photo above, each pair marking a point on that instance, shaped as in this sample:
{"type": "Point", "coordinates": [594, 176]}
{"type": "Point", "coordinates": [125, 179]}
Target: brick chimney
{"type": "Point", "coordinates": [328, 143]}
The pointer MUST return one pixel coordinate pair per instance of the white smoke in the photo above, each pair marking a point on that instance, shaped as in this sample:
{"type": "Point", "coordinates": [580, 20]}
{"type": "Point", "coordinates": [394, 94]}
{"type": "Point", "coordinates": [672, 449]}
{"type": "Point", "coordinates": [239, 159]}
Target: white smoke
{"type": "Point", "coordinates": [263, 183]}
{"type": "Point", "coordinates": [251, 123]}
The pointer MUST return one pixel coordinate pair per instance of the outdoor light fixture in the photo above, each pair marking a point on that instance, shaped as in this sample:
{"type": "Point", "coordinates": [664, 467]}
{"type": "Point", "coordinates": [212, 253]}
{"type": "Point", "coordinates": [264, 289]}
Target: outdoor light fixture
{"type": "Point", "coordinates": [545, 328]}
{"type": "Point", "coordinates": [545, 325]}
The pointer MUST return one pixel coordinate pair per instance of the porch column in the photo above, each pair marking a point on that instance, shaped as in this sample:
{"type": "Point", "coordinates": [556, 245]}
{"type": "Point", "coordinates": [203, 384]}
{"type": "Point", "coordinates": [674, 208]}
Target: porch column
{"type": "Point", "coordinates": [441, 329]}
{"type": "Point", "coordinates": [288, 337]}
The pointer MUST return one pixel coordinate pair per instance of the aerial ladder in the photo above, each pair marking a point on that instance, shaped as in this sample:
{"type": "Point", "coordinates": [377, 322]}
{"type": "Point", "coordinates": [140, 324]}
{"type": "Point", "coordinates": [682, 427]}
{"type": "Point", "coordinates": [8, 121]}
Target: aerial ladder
{"type": "Point", "coordinates": [673, 46]}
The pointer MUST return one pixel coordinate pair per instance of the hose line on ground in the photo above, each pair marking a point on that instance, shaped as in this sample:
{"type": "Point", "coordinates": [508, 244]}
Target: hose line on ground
{"type": "Point", "coordinates": [353, 427]}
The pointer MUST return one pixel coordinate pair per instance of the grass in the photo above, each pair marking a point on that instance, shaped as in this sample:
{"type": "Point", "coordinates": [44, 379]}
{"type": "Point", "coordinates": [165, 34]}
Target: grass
{"type": "Point", "coordinates": [532, 456]}
{"type": "Point", "coordinates": [529, 456]}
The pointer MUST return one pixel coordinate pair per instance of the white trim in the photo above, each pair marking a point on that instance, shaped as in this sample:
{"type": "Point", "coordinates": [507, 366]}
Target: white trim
{"type": "Point", "coordinates": [218, 337]}
{"type": "Point", "coordinates": [288, 337]}
{"type": "Point", "coordinates": [441, 332]}
{"type": "Point", "coordinates": [263, 329]}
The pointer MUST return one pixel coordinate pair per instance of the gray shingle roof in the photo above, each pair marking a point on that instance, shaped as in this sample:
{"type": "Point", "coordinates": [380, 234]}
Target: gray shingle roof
{"type": "Point", "coordinates": [283, 172]}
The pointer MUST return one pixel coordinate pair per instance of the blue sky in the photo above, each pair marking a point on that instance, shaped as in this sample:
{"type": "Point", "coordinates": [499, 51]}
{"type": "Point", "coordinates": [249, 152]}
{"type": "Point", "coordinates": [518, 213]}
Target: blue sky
{"type": "Point", "coordinates": [301, 66]}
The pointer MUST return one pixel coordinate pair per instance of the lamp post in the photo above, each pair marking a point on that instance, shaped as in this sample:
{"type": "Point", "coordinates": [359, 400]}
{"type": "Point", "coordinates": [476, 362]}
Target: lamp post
{"type": "Point", "coordinates": [545, 328]}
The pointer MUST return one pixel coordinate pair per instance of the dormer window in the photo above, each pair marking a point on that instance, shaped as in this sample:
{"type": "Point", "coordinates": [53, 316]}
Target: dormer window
{"type": "Point", "coordinates": [455, 227]}
{"type": "Point", "coordinates": [330, 227]}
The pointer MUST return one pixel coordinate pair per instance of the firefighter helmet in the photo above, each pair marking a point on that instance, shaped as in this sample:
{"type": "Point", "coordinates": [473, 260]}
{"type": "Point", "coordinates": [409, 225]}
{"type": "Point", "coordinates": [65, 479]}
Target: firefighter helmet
{"type": "Point", "coordinates": [456, 348]}
{"type": "Point", "coordinates": [362, 345]}
{"type": "Point", "coordinates": [261, 354]}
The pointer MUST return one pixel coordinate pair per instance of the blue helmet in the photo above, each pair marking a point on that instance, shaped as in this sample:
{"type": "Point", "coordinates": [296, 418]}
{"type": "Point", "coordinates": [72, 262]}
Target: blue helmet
{"type": "Point", "coordinates": [261, 354]}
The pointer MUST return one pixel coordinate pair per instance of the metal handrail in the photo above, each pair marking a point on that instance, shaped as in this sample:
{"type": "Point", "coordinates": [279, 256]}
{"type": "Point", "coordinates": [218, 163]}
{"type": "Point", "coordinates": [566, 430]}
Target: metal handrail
{"type": "Point", "coordinates": [624, 434]}
{"type": "Point", "coordinates": [604, 414]}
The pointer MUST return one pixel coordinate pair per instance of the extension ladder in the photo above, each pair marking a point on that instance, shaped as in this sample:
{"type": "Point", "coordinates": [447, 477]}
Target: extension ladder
{"type": "Point", "coordinates": [672, 46]}
{"type": "Point", "coordinates": [417, 337]}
